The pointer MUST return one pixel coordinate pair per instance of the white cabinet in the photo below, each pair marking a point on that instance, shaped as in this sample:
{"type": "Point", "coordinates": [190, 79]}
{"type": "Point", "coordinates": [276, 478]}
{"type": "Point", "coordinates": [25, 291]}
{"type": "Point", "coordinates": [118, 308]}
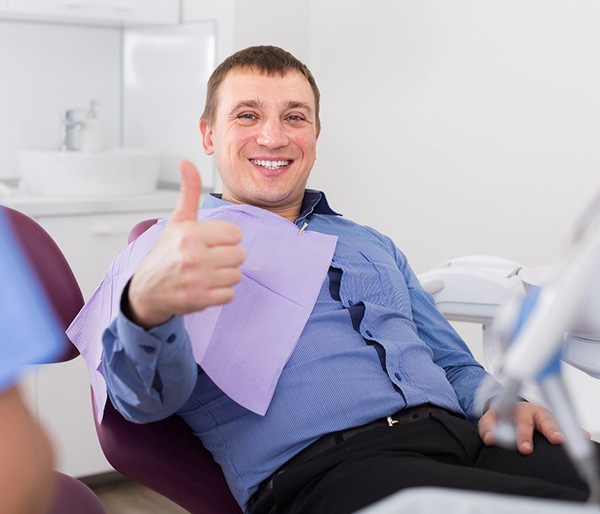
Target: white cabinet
{"type": "Point", "coordinates": [91, 241]}
{"type": "Point", "coordinates": [63, 404]}
{"type": "Point", "coordinates": [90, 235]}
{"type": "Point", "coordinates": [155, 12]}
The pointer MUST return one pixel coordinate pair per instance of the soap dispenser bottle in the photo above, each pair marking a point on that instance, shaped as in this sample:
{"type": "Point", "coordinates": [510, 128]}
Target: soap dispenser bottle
{"type": "Point", "coordinates": [93, 132]}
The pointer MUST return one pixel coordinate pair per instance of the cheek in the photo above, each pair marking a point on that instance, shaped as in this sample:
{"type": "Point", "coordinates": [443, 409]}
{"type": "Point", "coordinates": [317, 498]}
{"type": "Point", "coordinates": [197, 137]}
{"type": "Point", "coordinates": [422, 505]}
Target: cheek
{"type": "Point", "coordinates": [308, 144]}
{"type": "Point", "coordinates": [231, 136]}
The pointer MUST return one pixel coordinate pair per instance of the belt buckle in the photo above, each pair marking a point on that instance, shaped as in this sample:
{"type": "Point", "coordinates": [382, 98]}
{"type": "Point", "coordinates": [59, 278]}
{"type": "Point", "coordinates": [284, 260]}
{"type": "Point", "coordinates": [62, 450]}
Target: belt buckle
{"type": "Point", "coordinates": [391, 421]}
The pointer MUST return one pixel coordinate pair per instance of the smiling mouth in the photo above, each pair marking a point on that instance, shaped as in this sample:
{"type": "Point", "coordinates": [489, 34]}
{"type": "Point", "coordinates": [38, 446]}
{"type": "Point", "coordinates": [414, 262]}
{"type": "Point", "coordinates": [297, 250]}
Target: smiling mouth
{"type": "Point", "coordinates": [270, 165]}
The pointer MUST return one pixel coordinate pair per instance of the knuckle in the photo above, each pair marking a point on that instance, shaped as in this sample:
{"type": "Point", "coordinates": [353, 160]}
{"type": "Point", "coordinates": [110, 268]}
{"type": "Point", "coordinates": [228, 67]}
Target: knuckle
{"type": "Point", "coordinates": [240, 254]}
{"type": "Point", "coordinates": [236, 275]}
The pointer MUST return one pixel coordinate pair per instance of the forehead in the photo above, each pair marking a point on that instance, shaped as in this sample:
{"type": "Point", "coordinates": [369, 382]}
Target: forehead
{"type": "Point", "coordinates": [249, 85]}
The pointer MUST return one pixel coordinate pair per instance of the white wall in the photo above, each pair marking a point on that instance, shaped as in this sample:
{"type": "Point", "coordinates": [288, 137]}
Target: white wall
{"type": "Point", "coordinates": [460, 127]}
{"type": "Point", "coordinates": [46, 69]}
{"type": "Point", "coordinates": [284, 23]}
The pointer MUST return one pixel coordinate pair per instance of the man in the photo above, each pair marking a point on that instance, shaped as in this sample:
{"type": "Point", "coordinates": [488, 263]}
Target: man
{"type": "Point", "coordinates": [376, 394]}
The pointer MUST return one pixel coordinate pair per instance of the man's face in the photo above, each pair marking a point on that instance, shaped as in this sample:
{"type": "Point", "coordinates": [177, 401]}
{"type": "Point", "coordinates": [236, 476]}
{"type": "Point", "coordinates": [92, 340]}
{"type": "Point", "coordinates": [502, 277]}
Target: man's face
{"type": "Point", "coordinates": [264, 139]}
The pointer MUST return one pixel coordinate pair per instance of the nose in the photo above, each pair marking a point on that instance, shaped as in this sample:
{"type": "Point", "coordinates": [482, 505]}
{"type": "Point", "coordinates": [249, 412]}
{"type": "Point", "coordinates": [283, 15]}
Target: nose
{"type": "Point", "coordinates": [272, 134]}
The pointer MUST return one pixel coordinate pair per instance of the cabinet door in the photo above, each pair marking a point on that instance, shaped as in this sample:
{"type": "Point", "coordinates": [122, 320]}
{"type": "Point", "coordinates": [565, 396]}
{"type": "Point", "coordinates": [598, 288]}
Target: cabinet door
{"type": "Point", "coordinates": [64, 407]}
{"type": "Point", "coordinates": [103, 11]}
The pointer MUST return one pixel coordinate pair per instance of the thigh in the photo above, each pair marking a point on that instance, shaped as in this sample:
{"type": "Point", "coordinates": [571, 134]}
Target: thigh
{"type": "Point", "coordinates": [434, 452]}
{"type": "Point", "coordinates": [547, 462]}
{"type": "Point", "coordinates": [358, 482]}
{"type": "Point", "coordinates": [361, 455]}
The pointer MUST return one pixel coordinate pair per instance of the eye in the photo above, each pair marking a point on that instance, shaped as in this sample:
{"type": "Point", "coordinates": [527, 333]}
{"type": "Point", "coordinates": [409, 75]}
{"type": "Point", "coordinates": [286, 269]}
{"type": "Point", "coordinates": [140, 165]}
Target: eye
{"type": "Point", "coordinates": [296, 117]}
{"type": "Point", "coordinates": [247, 116]}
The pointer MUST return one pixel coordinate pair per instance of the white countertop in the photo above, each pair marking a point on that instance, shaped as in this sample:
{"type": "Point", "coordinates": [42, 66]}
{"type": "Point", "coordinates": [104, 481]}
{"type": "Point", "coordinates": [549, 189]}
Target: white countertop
{"type": "Point", "coordinates": [42, 205]}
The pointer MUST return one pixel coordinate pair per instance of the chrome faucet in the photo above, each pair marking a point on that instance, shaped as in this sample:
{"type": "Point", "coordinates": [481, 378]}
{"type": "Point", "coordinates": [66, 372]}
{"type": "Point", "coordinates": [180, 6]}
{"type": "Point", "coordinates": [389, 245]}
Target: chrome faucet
{"type": "Point", "coordinates": [68, 126]}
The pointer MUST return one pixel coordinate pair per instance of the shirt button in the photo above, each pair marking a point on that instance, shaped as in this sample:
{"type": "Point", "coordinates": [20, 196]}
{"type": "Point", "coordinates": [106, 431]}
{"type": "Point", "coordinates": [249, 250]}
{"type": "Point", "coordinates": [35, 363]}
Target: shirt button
{"type": "Point", "coordinates": [171, 338]}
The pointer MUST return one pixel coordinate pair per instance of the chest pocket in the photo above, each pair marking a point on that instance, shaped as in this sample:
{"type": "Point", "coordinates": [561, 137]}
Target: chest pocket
{"type": "Point", "coordinates": [371, 276]}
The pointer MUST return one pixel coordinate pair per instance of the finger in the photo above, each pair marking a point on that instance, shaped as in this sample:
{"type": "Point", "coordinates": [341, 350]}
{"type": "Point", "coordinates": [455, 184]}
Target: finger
{"type": "Point", "coordinates": [210, 297]}
{"type": "Point", "coordinates": [547, 426]}
{"type": "Point", "coordinates": [225, 277]}
{"type": "Point", "coordinates": [217, 290]}
{"type": "Point", "coordinates": [216, 233]}
{"type": "Point", "coordinates": [227, 256]}
{"type": "Point", "coordinates": [531, 418]}
{"type": "Point", "coordinates": [524, 427]}
{"type": "Point", "coordinates": [487, 425]}
{"type": "Point", "coordinates": [189, 196]}
{"type": "Point", "coordinates": [219, 296]}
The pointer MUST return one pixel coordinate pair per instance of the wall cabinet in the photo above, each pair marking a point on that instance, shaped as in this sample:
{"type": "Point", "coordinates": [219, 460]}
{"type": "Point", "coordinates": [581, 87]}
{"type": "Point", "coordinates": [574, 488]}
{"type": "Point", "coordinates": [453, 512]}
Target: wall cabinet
{"type": "Point", "coordinates": [90, 235]}
{"type": "Point", "coordinates": [119, 12]}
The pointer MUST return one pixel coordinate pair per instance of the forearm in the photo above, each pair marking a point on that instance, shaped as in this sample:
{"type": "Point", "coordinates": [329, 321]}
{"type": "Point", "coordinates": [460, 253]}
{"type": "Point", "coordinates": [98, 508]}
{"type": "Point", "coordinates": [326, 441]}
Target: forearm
{"type": "Point", "coordinates": [149, 374]}
{"type": "Point", "coordinates": [450, 352]}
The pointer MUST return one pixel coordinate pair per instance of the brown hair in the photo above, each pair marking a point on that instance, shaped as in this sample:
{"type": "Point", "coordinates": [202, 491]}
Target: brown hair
{"type": "Point", "coordinates": [266, 59]}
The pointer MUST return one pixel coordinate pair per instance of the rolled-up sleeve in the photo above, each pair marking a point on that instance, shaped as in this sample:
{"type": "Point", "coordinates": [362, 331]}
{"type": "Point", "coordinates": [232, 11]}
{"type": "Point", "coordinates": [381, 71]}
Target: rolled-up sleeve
{"type": "Point", "coordinates": [149, 374]}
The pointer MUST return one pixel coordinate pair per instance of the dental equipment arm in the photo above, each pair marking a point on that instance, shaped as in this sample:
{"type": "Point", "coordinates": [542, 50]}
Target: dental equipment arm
{"type": "Point", "coordinates": [533, 329]}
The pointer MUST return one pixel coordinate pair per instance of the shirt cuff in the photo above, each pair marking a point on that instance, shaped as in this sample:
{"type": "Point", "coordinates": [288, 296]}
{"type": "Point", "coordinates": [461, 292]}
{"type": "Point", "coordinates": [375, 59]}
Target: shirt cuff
{"type": "Point", "coordinates": [148, 344]}
{"type": "Point", "coordinates": [167, 340]}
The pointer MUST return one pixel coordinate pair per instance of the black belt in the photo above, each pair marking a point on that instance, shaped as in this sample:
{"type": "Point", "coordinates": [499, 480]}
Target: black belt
{"type": "Point", "coordinates": [322, 444]}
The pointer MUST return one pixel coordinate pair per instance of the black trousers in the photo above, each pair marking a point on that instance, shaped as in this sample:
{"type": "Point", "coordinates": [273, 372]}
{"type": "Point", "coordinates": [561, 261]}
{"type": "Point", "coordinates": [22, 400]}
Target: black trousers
{"type": "Point", "coordinates": [442, 451]}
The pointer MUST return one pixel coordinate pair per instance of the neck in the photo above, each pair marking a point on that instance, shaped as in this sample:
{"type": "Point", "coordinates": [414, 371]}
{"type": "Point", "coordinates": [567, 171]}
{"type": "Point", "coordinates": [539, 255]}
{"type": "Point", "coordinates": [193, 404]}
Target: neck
{"type": "Point", "coordinates": [290, 212]}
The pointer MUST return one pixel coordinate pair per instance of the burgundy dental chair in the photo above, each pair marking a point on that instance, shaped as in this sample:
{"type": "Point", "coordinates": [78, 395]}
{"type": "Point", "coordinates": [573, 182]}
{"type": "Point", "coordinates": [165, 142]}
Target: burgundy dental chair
{"type": "Point", "coordinates": [55, 275]}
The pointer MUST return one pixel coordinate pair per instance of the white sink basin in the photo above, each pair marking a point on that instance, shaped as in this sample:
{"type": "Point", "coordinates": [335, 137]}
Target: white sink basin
{"type": "Point", "coordinates": [113, 172]}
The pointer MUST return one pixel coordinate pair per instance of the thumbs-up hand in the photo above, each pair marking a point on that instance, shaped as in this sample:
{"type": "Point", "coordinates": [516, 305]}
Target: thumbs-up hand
{"type": "Point", "coordinates": [194, 264]}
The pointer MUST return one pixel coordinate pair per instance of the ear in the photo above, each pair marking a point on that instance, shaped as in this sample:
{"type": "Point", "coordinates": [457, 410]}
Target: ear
{"type": "Point", "coordinates": [207, 133]}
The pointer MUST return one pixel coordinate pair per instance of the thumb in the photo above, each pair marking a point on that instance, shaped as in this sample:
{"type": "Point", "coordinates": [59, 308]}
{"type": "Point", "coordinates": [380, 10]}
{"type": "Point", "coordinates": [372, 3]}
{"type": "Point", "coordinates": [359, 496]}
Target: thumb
{"type": "Point", "coordinates": [189, 196]}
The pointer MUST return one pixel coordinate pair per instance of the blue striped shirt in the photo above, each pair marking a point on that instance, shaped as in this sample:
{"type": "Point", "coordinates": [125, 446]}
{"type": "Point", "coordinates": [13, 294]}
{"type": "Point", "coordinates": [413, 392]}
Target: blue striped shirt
{"type": "Point", "coordinates": [374, 344]}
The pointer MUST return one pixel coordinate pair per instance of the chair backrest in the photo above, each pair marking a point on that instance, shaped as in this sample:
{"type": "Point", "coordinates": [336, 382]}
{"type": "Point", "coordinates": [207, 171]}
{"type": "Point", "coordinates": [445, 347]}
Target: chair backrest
{"type": "Point", "coordinates": [165, 455]}
{"type": "Point", "coordinates": [139, 228]}
{"type": "Point", "coordinates": [52, 269]}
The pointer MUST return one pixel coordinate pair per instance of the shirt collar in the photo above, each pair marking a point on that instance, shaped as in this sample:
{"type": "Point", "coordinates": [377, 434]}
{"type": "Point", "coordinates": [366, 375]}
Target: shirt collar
{"type": "Point", "coordinates": [314, 202]}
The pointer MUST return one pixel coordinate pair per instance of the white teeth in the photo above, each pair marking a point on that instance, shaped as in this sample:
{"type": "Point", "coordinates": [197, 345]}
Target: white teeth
{"type": "Point", "coordinates": [271, 165]}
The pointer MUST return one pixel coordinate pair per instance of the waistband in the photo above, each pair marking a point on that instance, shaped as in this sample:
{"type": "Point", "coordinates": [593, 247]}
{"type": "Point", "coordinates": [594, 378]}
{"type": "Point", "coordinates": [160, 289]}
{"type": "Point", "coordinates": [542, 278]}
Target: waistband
{"type": "Point", "coordinates": [328, 441]}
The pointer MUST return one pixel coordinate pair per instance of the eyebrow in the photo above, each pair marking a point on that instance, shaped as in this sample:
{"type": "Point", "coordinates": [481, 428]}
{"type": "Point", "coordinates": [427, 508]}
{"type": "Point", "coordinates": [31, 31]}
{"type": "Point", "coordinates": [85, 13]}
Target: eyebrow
{"type": "Point", "coordinates": [300, 105]}
{"type": "Point", "coordinates": [255, 104]}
